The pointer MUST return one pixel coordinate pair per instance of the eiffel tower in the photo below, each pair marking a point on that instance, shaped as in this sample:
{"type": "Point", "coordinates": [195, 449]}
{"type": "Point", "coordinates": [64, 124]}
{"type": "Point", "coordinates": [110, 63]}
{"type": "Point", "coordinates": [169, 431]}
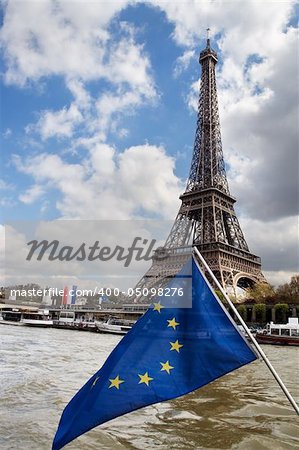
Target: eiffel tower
{"type": "Point", "coordinates": [206, 218]}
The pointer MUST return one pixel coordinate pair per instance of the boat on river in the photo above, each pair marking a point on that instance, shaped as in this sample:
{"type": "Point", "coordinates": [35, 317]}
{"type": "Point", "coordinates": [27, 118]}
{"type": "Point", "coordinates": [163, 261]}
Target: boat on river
{"type": "Point", "coordinates": [37, 319]}
{"type": "Point", "coordinates": [67, 320]}
{"type": "Point", "coordinates": [115, 326]}
{"type": "Point", "coordinates": [280, 334]}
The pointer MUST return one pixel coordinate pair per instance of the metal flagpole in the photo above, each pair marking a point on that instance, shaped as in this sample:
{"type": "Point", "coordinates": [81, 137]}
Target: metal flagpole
{"type": "Point", "coordinates": [252, 338]}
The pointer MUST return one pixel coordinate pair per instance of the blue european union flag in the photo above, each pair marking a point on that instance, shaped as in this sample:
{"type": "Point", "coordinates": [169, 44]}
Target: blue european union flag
{"type": "Point", "coordinates": [168, 353]}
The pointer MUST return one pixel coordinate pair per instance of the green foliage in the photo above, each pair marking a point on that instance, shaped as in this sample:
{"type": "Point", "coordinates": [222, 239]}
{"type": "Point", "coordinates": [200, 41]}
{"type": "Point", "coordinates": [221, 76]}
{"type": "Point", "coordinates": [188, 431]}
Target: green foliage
{"type": "Point", "coordinates": [289, 292]}
{"type": "Point", "coordinates": [220, 295]}
{"type": "Point", "coordinates": [242, 310]}
{"type": "Point", "coordinates": [285, 293]}
{"type": "Point", "coordinates": [281, 310]}
{"type": "Point", "coordinates": [282, 307]}
{"type": "Point", "coordinates": [260, 291]}
{"type": "Point", "coordinates": [260, 312]}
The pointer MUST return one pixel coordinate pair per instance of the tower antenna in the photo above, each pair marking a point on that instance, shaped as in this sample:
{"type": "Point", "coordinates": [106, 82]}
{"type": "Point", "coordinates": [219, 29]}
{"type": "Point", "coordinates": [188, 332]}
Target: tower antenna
{"type": "Point", "coordinates": [208, 37]}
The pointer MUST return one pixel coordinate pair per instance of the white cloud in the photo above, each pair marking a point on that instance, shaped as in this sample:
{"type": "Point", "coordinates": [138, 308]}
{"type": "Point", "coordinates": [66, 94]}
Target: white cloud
{"type": "Point", "coordinates": [260, 138]}
{"type": "Point", "coordinates": [32, 194]}
{"type": "Point", "coordinates": [147, 177]}
{"type": "Point", "coordinates": [128, 64]}
{"type": "Point", "coordinates": [96, 116]}
{"type": "Point", "coordinates": [278, 277]}
{"type": "Point", "coordinates": [183, 62]}
{"type": "Point", "coordinates": [81, 95]}
{"type": "Point", "coordinates": [66, 38]}
{"type": "Point", "coordinates": [276, 242]}
{"type": "Point", "coordinates": [74, 233]}
{"type": "Point", "coordinates": [4, 185]}
{"type": "Point", "coordinates": [108, 184]}
{"type": "Point", "coordinates": [234, 19]}
{"type": "Point", "coordinates": [7, 133]}
{"type": "Point", "coordinates": [72, 40]}
{"type": "Point", "coordinates": [192, 97]}
{"type": "Point", "coordinates": [59, 123]}
{"type": "Point", "coordinates": [110, 105]}
{"type": "Point", "coordinates": [102, 162]}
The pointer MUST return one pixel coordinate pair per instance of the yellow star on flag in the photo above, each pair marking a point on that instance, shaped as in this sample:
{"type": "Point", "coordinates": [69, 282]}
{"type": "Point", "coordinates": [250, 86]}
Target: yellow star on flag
{"type": "Point", "coordinates": [172, 323]}
{"type": "Point", "coordinates": [166, 366]}
{"type": "Point", "coordinates": [115, 382]}
{"type": "Point", "coordinates": [95, 382]}
{"type": "Point", "coordinates": [145, 379]}
{"type": "Point", "coordinates": [176, 346]}
{"type": "Point", "coordinates": [158, 307]}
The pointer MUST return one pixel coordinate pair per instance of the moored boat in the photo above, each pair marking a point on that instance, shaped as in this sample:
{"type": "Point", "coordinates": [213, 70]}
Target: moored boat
{"type": "Point", "coordinates": [280, 334]}
{"type": "Point", "coordinates": [115, 326]}
{"type": "Point", "coordinates": [37, 319]}
{"type": "Point", "coordinates": [11, 316]}
{"type": "Point", "coordinates": [68, 320]}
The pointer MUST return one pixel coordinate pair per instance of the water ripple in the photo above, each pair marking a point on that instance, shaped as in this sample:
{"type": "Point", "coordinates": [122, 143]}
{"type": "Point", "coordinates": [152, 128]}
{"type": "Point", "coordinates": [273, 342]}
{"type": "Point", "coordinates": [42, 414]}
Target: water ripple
{"type": "Point", "coordinates": [42, 369]}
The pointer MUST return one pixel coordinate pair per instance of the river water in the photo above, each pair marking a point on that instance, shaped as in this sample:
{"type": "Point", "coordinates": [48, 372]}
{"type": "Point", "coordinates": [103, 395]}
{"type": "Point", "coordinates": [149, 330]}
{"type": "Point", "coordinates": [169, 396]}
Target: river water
{"type": "Point", "coordinates": [42, 369]}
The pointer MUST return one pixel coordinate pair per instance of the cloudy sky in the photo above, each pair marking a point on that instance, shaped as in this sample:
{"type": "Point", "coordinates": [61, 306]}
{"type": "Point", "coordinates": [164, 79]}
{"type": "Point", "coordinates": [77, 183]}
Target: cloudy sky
{"type": "Point", "coordinates": [99, 111]}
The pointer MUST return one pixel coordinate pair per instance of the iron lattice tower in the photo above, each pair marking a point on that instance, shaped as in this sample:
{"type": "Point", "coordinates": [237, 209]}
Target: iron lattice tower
{"type": "Point", "coordinates": [206, 218]}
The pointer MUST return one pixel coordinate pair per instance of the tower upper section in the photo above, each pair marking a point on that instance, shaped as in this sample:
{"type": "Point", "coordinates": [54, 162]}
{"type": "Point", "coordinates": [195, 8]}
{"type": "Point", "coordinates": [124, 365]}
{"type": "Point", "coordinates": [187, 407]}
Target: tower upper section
{"type": "Point", "coordinates": [207, 167]}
